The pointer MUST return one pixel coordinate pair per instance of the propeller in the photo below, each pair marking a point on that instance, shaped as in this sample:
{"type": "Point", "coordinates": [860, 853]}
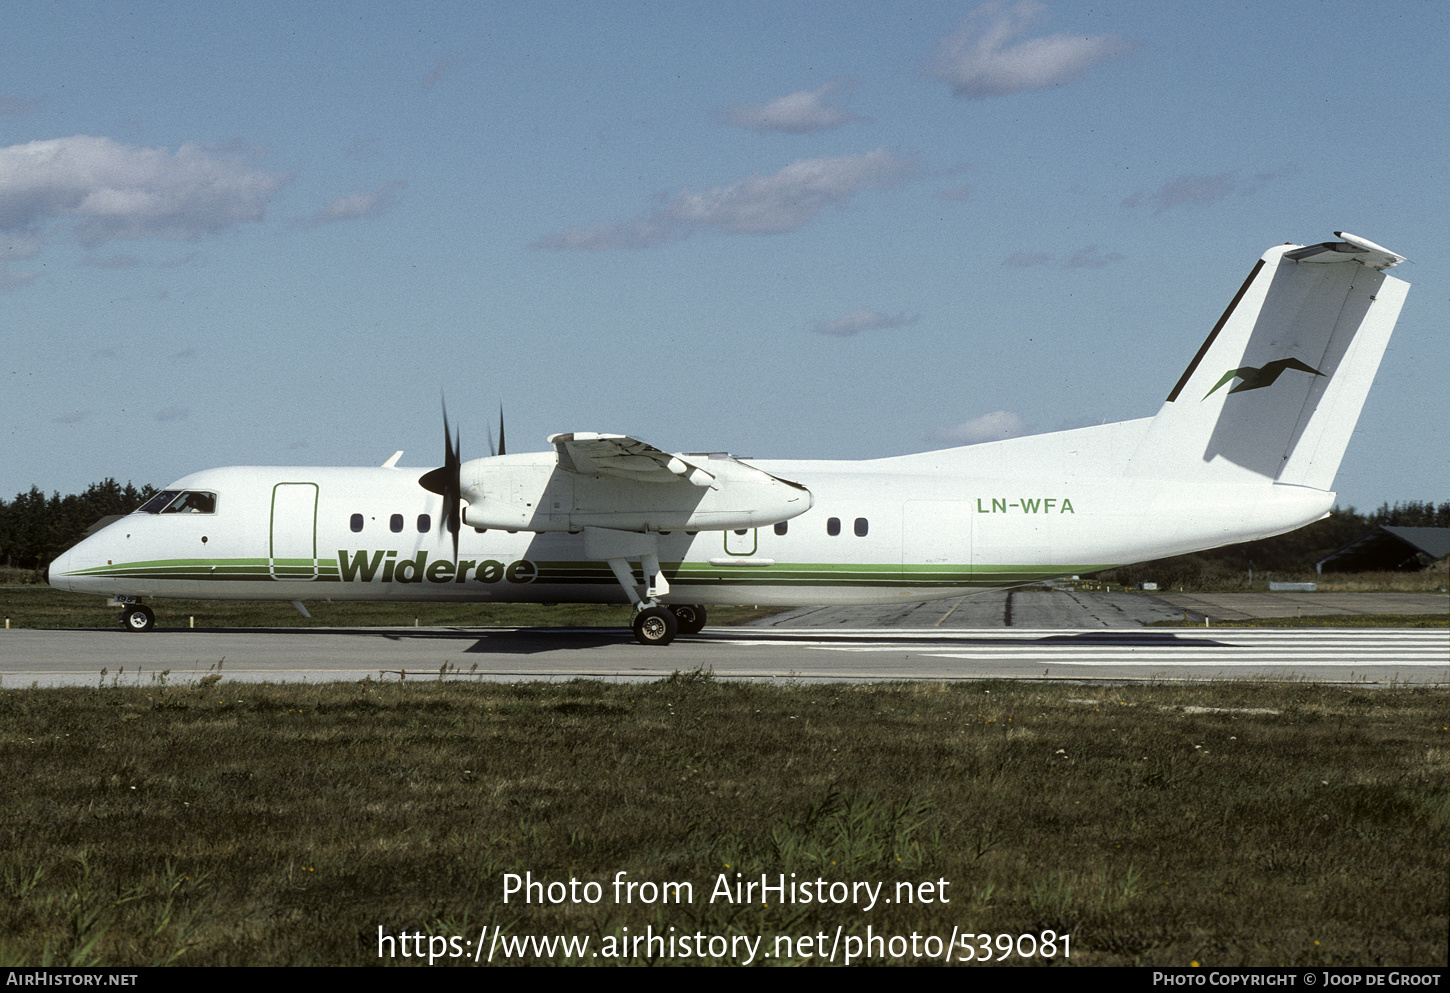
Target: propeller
{"type": "Point", "coordinates": [499, 450]}
{"type": "Point", "coordinates": [446, 480]}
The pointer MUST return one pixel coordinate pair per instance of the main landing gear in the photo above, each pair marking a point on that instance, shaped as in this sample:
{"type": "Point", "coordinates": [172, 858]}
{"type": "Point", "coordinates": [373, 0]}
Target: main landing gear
{"type": "Point", "coordinates": [657, 625]}
{"type": "Point", "coordinates": [137, 617]}
{"type": "Point", "coordinates": [654, 623]}
{"type": "Point", "coordinates": [689, 616]}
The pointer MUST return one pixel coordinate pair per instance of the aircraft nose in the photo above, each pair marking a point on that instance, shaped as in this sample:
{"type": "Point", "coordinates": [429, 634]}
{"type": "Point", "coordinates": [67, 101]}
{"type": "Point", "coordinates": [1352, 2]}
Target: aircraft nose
{"type": "Point", "coordinates": [56, 572]}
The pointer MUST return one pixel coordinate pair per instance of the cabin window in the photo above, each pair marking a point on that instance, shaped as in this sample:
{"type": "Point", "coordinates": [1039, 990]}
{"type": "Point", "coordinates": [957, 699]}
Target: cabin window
{"type": "Point", "coordinates": [781, 527]}
{"type": "Point", "coordinates": [833, 526]}
{"type": "Point", "coordinates": [861, 527]}
{"type": "Point", "coordinates": [395, 523]}
{"type": "Point", "coordinates": [424, 523]}
{"type": "Point", "coordinates": [357, 522]}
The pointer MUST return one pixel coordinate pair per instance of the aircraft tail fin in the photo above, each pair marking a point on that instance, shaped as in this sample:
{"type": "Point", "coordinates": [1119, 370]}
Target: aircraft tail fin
{"type": "Point", "coordinates": [1276, 389]}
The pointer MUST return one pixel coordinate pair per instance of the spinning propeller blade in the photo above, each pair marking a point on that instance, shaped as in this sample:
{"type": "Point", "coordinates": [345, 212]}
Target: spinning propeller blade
{"type": "Point", "coordinates": [499, 450]}
{"type": "Point", "coordinates": [446, 481]}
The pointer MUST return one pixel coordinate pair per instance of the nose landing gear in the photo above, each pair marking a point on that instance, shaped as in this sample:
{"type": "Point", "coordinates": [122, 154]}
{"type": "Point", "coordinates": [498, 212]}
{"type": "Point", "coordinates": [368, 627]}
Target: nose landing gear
{"type": "Point", "coordinates": [137, 617]}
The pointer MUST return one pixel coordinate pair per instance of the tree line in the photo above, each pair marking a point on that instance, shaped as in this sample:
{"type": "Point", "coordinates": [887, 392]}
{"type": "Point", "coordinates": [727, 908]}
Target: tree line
{"type": "Point", "coordinates": [35, 528]}
{"type": "Point", "coordinates": [1295, 552]}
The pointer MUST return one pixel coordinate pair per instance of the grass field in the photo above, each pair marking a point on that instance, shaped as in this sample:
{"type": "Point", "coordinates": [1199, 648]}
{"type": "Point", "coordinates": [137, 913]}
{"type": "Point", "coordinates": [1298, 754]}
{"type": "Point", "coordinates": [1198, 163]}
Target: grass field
{"type": "Point", "coordinates": [231, 824]}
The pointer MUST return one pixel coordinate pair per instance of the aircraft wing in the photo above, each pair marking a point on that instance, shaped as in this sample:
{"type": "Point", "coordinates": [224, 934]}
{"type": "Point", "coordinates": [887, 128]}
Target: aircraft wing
{"type": "Point", "coordinates": [620, 483]}
{"type": "Point", "coordinates": [617, 455]}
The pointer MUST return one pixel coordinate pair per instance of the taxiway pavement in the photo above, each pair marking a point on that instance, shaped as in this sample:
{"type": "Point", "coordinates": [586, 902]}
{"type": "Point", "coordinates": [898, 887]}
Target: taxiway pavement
{"type": "Point", "coordinates": [1052, 634]}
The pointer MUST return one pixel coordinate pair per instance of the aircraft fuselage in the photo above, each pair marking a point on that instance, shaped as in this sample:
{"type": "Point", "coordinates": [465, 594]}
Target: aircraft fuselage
{"type": "Point", "coordinates": [874, 535]}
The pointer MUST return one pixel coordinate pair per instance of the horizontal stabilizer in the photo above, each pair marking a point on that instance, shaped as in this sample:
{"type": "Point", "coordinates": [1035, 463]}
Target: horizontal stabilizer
{"type": "Point", "coordinates": [1351, 249]}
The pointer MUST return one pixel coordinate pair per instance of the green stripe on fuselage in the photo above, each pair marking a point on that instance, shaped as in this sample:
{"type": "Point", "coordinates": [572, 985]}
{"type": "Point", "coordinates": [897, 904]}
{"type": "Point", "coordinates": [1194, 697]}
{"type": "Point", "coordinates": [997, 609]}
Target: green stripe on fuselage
{"type": "Point", "coordinates": [556, 573]}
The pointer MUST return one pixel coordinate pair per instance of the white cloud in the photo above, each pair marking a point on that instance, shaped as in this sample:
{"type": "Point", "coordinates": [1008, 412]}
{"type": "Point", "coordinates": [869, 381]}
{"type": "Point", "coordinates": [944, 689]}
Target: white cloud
{"type": "Point", "coordinates": [110, 190]}
{"type": "Point", "coordinates": [10, 280]}
{"type": "Point", "coordinates": [978, 61]}
{"type": "Point", "coordinates": [1203, 189]}
{"type": "Point", "coordinates": [440, 69]}
{"type": "Point", "coordinates": [118, 261]}
{"type": "Point", "coordinates": [1187, 189]}
{"type": "Point", "coordinates": [16, 107]}
{"type": "Point", "coordinates": [1027, 260]}
{"type": "Point", "coordinates": [358, 204]}
{"type": "Point", "coordinates": [863, 319]}
{"type": "Point", "coordinates": [1091, 258]}
{"type": "Point", "coordinates": [785, 201]}
{"type": "Point", "coordinates": [1088, 257]}
{"type": "Point", "coordinates": [995, 426]}
{"type": "Point", "coordinates": [15, 245]}
{"type": "Point", "coordinates": [797, 113]}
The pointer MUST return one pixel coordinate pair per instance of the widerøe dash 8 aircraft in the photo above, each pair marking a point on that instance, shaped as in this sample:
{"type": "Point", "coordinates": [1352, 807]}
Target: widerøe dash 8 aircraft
{"type": "Point", "coordinates": [1245, 446]}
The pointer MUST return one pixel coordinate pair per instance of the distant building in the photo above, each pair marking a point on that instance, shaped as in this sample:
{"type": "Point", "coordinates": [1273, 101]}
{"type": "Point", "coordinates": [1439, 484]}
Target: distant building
{"type": "Point", "coordinates": [1389, 549]}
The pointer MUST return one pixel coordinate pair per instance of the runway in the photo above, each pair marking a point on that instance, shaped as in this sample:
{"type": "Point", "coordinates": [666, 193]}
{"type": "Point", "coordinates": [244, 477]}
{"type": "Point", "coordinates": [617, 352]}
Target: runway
{"type": "Point", "coordinates": [1373, 656]}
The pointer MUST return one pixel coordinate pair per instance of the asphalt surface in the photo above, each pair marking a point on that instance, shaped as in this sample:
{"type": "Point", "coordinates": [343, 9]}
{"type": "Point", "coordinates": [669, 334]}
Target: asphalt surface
{"type": "Point", "coordinates": [1019, 635]}
{"type": "Point", "coordinates": [1061, 608]}
{"type": "Point", "coordinates": [1374, 656]}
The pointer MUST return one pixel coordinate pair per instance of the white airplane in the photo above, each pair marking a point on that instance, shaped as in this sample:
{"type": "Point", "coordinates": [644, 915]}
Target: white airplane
{"type": "Point", "coordinates": [1246, 446]}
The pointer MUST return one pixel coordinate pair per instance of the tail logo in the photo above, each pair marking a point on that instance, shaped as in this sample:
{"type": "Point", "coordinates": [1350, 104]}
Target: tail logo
{"type": "Point", "coordinates": [1257, 378]}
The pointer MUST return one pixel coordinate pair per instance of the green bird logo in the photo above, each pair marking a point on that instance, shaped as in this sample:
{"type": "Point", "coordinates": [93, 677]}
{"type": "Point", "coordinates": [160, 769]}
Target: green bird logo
{"type": "Point", "coordinates": [1257, 378]}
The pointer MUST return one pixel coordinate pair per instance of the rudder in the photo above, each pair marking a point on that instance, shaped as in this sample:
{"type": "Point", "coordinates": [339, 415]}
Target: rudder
{"type": "Point", "coordinates": [1276, 389]}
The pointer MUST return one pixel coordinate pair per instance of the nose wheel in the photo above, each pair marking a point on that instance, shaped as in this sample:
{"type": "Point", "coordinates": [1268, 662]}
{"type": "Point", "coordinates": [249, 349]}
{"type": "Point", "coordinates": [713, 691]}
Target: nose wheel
{"type": "Point", "coordinates": [138, 618]}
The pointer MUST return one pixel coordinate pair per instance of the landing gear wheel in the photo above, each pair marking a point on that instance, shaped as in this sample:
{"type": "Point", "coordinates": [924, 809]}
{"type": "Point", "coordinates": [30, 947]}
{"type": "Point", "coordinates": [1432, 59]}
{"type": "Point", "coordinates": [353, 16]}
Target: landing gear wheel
{"type": "Point", "coordinates": [655, 626]}
{"type": "Point", "coordinates": [138, 618]}
{"type": "Point", "coordinates": [689, 616]}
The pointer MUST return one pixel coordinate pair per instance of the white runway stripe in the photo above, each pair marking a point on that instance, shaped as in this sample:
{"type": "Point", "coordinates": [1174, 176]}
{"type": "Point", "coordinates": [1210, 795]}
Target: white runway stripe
{"type": "Point", "coordinates": [1343, 647]}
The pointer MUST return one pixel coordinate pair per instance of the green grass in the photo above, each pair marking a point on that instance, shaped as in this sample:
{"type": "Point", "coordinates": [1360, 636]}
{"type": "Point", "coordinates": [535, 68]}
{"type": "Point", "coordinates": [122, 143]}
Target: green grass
{"type": "Point", "coordinates": [230, 824]}
{"type": "Point", "coordinates": [43, 607]}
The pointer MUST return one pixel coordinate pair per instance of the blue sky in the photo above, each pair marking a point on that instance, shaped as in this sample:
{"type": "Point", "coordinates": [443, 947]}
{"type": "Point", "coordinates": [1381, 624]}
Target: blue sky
{"type": "Point", "coordinates": [275, 233]}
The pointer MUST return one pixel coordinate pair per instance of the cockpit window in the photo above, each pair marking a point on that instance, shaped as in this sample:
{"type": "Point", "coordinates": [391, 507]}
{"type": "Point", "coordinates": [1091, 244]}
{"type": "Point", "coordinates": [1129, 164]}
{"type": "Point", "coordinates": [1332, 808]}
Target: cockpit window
{"type": "Point", "coordinates": [154, 505]}
{"type": "Point", "coordinates": [180, 502]}
{"type": "Point", "coordinates": [192, 502]}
